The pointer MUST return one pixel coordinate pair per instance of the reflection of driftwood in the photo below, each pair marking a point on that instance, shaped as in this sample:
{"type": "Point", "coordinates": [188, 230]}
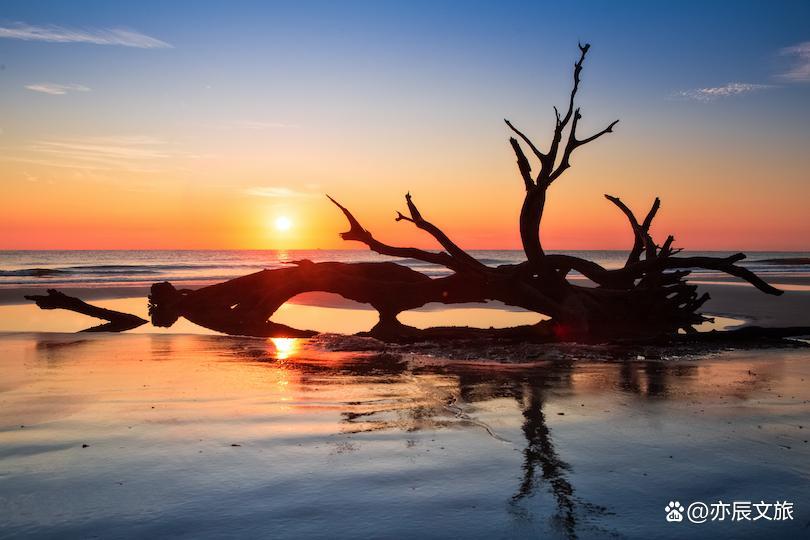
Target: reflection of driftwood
{"type": "Point", "coordinates": [540, 453]}
{"type": "Point", "coordinates": [118, 321]}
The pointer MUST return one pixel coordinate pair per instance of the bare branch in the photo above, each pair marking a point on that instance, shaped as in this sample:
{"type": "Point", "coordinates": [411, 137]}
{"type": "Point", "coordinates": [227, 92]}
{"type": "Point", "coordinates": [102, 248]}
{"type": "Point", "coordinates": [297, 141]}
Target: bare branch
{"type": "Point", "coordinates": [540, 155]}
{"type": "Point", "coordinates": [452, 248]}
{"type": "Point", "coordinates": [649, 245]}
{"type": "Point", "coordinates": [117, 320]}
{"type": "Point", "coordinates": [620, 277]}
{"type": "Point", "coordinates": [574, 143]}
{"type": "Point", "coordinates": [667, 247]}
{"type": "Point", "coordinates": [722, 264]}
{"type": "Point", "coordinates": [583, 49]}
{"type": "Point", "coordinates": [401, 216]}
{"type": "Point", "coordinates": [562, 123]}
{"type": "Point", "coordinates": [565, 162]}
{"type": "Point", "coordinates": [651, 214]}
{"type": "Point", "coordinates": [642, 239]}
{"type": "Point", "coordinates": [417, 217]}
{"type": "Point", "coordinates": [358, 233]}
{"type": "Point", "coordinates": [608, 129]}
{"type": "Point", "coordinates": [523, 164]}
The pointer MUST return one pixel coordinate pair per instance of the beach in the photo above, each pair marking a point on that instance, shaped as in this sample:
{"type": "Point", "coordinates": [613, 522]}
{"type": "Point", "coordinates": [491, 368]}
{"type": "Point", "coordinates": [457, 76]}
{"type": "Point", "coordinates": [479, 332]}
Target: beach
{"type": "Point", "coordinates": [132, 436]}
{"type": "Point", "coordinates": [182, 432]}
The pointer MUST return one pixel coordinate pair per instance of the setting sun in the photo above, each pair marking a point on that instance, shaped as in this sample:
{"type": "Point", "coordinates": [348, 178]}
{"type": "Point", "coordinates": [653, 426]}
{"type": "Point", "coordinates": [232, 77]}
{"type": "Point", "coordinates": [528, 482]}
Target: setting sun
{"type": "Point", "coordinates": [374, 269]}
{"type": "Point", "coordinates": [283, 223]}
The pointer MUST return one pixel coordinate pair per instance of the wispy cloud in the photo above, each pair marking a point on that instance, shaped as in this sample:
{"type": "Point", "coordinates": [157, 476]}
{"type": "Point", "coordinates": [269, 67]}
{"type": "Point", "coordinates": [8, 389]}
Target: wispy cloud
{"type": "Point", "coordinates": [277, 192]}
{"type": "Point", "coordinates": [99, 36]}
{"type": "Point", "coordinates": [127, 153]}
{"type": "Point", "coordinates": [717, 92]}
{"type": "Point", "coordinates": [57, 89]}
{"type": "Point", "coordinates": [800, 71]}
{"type": "Point", "coordinates": [259, 125]}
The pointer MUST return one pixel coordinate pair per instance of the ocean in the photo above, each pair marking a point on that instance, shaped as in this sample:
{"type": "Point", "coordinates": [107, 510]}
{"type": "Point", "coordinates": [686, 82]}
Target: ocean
{"type": "Point", "coordinates": [142, 267]}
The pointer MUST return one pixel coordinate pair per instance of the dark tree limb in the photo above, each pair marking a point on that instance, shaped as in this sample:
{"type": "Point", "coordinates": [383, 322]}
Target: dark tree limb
{"type": "Point", "coordinates": [722, 264]}
{"type": "Point", "coordinates": [642, 240]}
{"type": "Point", "coordinates": [616, 278]}
{"type": "Point", "coordinates": [595, 136]}
{"type": "Point", "coordinates": [667, 250]}
{"type": "Point", "coordinates": [117, 320]}
{"type": "Point", "coordinates": [452, 248]}
{"type": "Point", "coordinates": [358, 233]}
{"type": "Point", "coordinates": [531, 213]}
{"type": "Point", "coordinates": [583, 51]}
{"type": "Point", "coordinates": [523, 164]}
{"type": "Point", "coordinates": [574, 143]}
{"type": "Point", "coordinates": [540, 155]}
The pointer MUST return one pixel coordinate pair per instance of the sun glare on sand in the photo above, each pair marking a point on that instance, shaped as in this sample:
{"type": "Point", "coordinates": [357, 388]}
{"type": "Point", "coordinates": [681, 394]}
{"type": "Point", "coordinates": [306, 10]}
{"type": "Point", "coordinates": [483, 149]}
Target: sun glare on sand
{"type": "Point", "coordinates": [283, 223]}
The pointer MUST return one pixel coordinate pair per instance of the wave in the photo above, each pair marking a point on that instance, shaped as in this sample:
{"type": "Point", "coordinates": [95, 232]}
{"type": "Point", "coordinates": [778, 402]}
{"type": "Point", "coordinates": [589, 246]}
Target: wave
{"type": "Point", "coordinates": [482, 260]}
{"type": "Point", "coordinates": [32, 272]}
{"type": "Point", "coordinates": [150, 268]}
{"type": "Point", "coordinates": [127, 267]}
{"type": "Point", "coordinates": [790, 261]}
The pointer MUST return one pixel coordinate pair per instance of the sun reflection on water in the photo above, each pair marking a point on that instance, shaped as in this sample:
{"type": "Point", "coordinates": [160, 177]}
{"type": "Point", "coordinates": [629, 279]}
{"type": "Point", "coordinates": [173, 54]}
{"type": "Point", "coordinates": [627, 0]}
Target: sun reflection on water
{"type": "Point", "coordinates": [285, 347]}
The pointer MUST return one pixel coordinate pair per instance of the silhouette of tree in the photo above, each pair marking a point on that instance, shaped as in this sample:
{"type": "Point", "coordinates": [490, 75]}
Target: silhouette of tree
{"type": "Point", "coordinates": [647, 297]}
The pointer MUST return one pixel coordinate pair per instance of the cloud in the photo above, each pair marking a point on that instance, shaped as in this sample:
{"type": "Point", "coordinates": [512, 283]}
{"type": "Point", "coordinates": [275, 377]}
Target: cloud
{"type": "Point", "coordinates": [57, 89]}
{"type": "Point", "coordinates": [718, 92]}
{"type": "Point", "coordinates": [276, 192]}
{"type": "Point", "coordinates": [259, 125]}
{"type": "Point", "coordinates": [800, 71]}
{"type": "Point", "coordinates": [100, 36]}
{"type": "Point", "coordinates": [129, 153]}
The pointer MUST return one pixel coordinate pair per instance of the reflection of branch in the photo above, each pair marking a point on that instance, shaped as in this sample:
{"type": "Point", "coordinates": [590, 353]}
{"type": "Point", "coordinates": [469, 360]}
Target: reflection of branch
{"type": "Point", "coordinates": [540, 452]}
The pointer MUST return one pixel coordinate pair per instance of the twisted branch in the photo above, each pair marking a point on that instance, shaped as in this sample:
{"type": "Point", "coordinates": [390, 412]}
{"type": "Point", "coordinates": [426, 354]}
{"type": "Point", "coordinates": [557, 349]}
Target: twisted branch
{"type": "Point", "coordinates": [641, 232]}
{"type": "Point", "coordinates": [458, 254]}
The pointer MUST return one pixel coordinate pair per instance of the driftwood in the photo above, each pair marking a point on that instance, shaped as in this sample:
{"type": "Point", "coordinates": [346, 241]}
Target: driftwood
{"type": "Point", "coordinates": [117, 320]}
{"type": "Point", "coordinates": [649, 296]}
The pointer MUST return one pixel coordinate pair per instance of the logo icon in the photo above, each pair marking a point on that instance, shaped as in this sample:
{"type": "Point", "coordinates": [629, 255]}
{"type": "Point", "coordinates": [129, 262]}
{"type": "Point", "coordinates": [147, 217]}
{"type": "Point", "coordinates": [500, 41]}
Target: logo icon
{"type": "Point", "coordinates": [674, 511]}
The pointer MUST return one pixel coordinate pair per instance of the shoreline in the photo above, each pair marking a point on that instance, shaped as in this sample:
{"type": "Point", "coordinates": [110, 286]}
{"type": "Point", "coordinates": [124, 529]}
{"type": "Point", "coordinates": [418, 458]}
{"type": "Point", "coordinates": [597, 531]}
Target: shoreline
{"type": "Point", "coordinates": [728, 299]}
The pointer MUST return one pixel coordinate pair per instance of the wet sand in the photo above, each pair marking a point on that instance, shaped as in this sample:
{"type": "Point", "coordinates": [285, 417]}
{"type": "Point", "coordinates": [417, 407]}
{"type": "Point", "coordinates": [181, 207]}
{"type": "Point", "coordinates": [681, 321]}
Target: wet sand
{"type": "Point", "coordinates": [220, 437]}
{"type": "Point", "coordinates": [790, 309]}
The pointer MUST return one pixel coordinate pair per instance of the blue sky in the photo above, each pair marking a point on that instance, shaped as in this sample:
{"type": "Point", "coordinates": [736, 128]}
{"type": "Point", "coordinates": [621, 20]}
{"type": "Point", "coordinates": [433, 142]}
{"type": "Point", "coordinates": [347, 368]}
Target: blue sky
{"type": "Point", "coordinates": [383, 80]}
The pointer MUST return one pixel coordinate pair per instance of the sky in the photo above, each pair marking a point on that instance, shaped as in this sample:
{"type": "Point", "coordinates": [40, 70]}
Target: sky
{"type": "Point", "coordinates": [197, 125]}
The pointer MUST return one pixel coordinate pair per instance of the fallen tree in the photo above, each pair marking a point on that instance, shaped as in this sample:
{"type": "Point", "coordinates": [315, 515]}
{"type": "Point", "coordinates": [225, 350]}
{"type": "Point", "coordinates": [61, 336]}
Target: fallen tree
{"type": "Point", "coordinates": [649, 296]}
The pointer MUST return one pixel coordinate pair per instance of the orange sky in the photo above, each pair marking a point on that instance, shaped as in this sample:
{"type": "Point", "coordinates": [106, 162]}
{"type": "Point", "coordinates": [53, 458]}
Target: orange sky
{"type": "Point", "coordinates": [168, 138]}
{"type": "Point", "coordinates": [717, 201]}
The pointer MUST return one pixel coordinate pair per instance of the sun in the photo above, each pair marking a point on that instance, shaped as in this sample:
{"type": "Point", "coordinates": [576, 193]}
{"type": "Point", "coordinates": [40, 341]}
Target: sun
{"type": "Point", "coordinates": [283, 223]}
